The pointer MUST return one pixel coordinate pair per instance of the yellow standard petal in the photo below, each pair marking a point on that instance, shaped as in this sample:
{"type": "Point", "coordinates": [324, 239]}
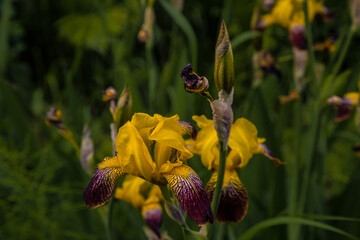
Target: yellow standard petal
{"type": "Point", "coordinates": [243, 139]}
{"type": "Point", "coordinates": [170, 145]}
{"type": "Point", "coordinates": [206, 142]}
{"type": "Point", "coordinates": [133, 154]}
{"type": "Point", "coordinates": [145, 124]}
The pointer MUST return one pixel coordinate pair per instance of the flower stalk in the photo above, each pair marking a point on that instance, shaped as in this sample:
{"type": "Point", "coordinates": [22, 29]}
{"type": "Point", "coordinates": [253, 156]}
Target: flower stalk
{"type": "Point", "coordinates": [220, 179]}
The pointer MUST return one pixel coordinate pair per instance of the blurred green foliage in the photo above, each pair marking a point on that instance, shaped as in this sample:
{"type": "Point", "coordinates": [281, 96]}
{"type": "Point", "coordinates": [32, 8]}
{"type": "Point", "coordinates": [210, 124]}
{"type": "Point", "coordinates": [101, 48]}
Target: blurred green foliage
{"type": "Point", "coordinates": [65, 53]}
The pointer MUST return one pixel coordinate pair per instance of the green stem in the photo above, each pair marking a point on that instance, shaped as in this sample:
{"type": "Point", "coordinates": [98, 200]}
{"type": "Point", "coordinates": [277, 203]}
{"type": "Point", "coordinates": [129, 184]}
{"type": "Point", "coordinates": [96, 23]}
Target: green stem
{"type": "Point", "coordinates": [343, 52]}
{"type": "Point", "coordinates": [294, 171]}
{"type": "Point", "coordinates": [218, 188]}
{"type": "Point", "coordinates": [309, 154]}
{"type": "Point", "coordinates": [219, 181]}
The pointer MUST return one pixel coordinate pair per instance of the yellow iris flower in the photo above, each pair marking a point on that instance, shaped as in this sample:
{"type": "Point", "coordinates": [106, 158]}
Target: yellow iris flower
{"type": "Point", "coordinates": [243, 143]}
{"type": "Point", "coordinates": [289, 12]}
{"type": "Point", "coordinates": [290, 15]}
{"type": "Point", "coordinates": [134, 144]}
{"type": "Point", "coordinates": [145, 197]}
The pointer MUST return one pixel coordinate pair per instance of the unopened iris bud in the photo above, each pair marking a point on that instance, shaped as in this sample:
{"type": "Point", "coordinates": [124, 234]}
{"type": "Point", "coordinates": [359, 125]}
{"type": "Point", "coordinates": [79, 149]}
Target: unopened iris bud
{"type": "Point", "coordinates": [122, 110]}
{"type": "Point", "coordinates": [355, 12]}
{"type": "Point", "coordinates": [300, 61]}
{"type": "Point", "coordinates": [54, 118]}
{"type": "Point", "coordinates": [124, 106]}
{"type": "Point", "coordinates": [223, 116]}
{"type": "Point", "coordinates": [146, 32]}
{"type": "Point", "coordinates": [109, 95]}
{"type": "Point", "coordinates": [87, 149]}
{"type": "Point", "coordinates": [224, 61]}
{"type": "Point", "coordinates": [192, 82]}
{"type": "Point", "coordinates": [174, 212]}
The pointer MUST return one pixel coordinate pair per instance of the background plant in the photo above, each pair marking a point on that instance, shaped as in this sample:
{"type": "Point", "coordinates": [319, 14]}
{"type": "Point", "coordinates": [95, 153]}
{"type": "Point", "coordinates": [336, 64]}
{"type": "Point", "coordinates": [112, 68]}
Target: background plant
{"type": "Point", "coordinates": [65, 53]}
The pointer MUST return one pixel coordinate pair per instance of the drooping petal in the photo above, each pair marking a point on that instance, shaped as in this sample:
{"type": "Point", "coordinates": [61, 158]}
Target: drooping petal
{"type": "Point", "coordinates": [343, 112]}
{"type": "Point", "coordinates": [233, 201]}
{"type": "Point", "coordinates": [206, 143]}
{"type": "Point", "coordinates": [153, 218]}
{"type": "Point", "coordinates": [187, 129]}
{"type": "Point", "coordinates": [152, 211]}
{"type": "Point", "coordinates": [132, 153]}
{"type": "Point", "coordinates": [263, 149]}
{"type": "Point", "coordinates": [190, 194]}
{"type": "Point", "coordinates": [102, 185]}
{"type": "Point", "coordinates": [243, 139]}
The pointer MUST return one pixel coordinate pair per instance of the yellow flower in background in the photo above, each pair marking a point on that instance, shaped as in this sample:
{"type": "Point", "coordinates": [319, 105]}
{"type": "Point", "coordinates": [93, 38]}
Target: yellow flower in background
{"type": "Point", "coordinates": [145, 197]}
{"type": "Point", "coordinates": [243, 144]}
{"type": "Point", "coordinates": [289, 12]}
{"type": "Point", "coordinates": [134, 144]}
{"type": "Point", "coordinates": [290, 15]}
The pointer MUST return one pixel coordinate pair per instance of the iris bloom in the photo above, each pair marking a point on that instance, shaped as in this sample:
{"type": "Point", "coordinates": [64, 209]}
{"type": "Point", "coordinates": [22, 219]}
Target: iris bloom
{"type": "Point", "coordinates": [344, 106]}
{"type": "Point", "coordinates": [145, 197]}
{"type": "Point", "coordinates": [290, 15]}
{"type": "Point", "coordinates": [243, 143]}
{"type": "Point", "coordinates": [134, 144]}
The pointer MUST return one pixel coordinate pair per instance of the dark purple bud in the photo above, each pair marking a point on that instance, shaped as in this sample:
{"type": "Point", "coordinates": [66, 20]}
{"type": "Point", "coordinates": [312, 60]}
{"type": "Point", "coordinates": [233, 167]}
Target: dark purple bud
{"type": "Point", "coordinates": [297, 36]}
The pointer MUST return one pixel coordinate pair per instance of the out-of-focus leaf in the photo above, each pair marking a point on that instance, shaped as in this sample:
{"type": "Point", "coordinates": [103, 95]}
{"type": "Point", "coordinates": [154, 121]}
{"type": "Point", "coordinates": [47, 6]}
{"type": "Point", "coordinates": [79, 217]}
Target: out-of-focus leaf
{"type": "Point", "coordinates": [249, 234]}
{"type": "Point", "coordinates": [243, 37]}
{"type": "Point", "coordinates": [333, 86]}
{"type": "Point", "coordinates": [183, 23]}
{"type": "Point", "coordinates": [93, 30]}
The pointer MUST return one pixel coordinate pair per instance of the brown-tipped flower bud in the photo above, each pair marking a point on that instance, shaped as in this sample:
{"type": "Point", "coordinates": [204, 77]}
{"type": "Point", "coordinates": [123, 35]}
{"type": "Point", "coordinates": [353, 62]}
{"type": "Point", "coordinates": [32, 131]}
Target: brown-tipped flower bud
{"type": "Point", "coordinates": [192, 82]}
{"type": "Point", "coordinates": [54, 118]}
{"type": "Point", "coordinates": [123, 108]}
{"type": "Point", "coordinates": [224, 61]}
{"type": "Point", "coordinates": [146, 32]}
{"type": "Point", "coordinates": [300, 62]}
{"type": "Point", "coordinates": [109, 94]}
{"type": "Point", "coordinates": [223, 115]}
{"type": "Point", "coordinates": [87, 149]}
